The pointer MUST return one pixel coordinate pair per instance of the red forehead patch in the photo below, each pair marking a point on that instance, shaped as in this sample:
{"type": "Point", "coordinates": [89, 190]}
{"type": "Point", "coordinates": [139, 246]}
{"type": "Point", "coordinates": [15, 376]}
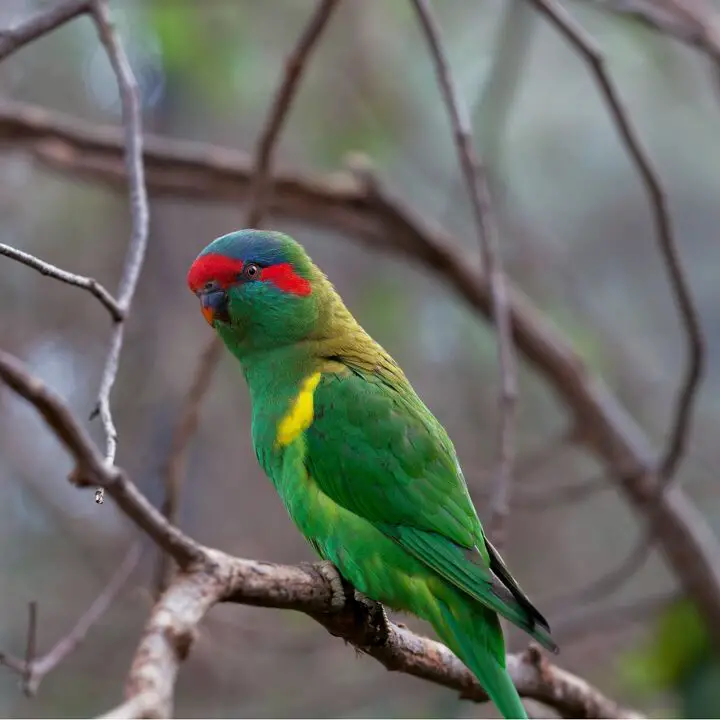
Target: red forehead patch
{"type": "Point", "coordinates": [220, 268]}
{"type": "Point", "coordinates": [225, 271]}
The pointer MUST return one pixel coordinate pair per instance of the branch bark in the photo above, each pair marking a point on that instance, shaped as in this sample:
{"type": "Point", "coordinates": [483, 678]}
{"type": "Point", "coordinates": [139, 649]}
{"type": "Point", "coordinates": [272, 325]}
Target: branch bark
{"type": "Point", "coordinates": [377, 218]}
{"type": "Point", "coordinates": [209, 576]}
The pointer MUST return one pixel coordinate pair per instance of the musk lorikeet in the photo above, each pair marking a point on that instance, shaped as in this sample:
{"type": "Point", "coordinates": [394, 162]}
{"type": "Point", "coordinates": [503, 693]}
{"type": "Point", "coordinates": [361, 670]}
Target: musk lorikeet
{"type": "Point", "coordinates": [366, 472]}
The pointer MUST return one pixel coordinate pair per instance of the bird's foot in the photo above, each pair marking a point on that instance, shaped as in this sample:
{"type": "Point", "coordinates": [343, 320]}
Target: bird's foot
{"type": "Point", "coordinates": [336, 582]}
{"type": "Point", "coordinates": [378, 609]}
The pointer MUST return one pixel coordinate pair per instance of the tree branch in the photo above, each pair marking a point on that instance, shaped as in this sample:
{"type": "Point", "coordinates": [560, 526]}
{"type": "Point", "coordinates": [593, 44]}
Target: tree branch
{"type": "Point", "coordinates": [183, 433]}
{"type": "Point", "coordinates": [139, 211]}
{"type": "Point", "coordinates": [34, 669]}
{"type": "Point", "coordinates": [172, 627]}
{"type": "Point", "coordinates": [259, 191]}
{"type": "Point", "coordinates": [379, 219]}
{"type": "Point", "coordinates": [591, 54]}
{"type": "Point", "coordinates": [91, 467]}
{"type": "Point", "coordinates": [86, 283]}
{"type": "Point", "coordinates": [208, 576]}
{"type": "Point", "coordinates": [692, 22]}
{"type": "Point", "coordinates": [487, 233]}
{"type": "Point", "coordinates": [40, 24]}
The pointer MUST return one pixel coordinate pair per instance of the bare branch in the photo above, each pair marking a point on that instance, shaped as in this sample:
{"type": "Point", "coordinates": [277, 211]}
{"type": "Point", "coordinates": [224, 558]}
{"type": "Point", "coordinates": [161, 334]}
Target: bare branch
{"type": "Point", "coordinates": [692, 22]}
{"type": "Point", "coordinates": [513, 43]}
{"type": "Point", "coordinates": [172, 626]}
{"type": "Point", "coordinates": [184, 431]}
{"type": "Point", "coordinates": [139, 210]}
{"type": "Point", "coordinates": [40, 24]}
{"type": "Point", "coordinates": [479, 192]}
{"type": "Point", "coordinates": [379, 219]}
{"type": "Point", "coordinates": [295, 66]}
{"type": "Point", "coordinates": [593, 57]}
{"type": "Point", "coordinates": [34, 669]}
{"type": "Point", "coordinates": [86, 283]}
{"type": "Point", "coordinates": [31, 646]}
{"type": "Point", "coordinates": [259, 191]}
{"type": "Point", "coordinates": [91, 467]}
{"type": "Point", "coordinates": [209, 576]}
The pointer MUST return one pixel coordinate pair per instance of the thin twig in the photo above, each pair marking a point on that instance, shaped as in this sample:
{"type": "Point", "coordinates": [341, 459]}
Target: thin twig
{"type": "Point", "coordinates": [479, 193]}
{"type": "Point", "coordinates": [692, 22]}
{"type": "Point", "coordinates": [68, 643]}
{"type": "Point", "coordinates": [586, 47]}
{"type": "Point", "coordinates": [40, 24]}
{"type": "Point", "coordinates": [379, 219]}
{"type": "Point", "coordinates": [86, 283]}
{"type": "Point", "coordinates": [34, 669]}
{"type": "Point", "coordinates": [185, 429]}
{"type": "Point", "coordinates": [31, 646]}
{"type": "Point", "coordinates": [210, 576]}
{"type": "Point", "coordinates": [259, 193]}
{"type": "Point", "coordinates": [91, 468]}
{"type": "Point", "coordinates": [132, 122]}
{"type": "Point", "coordinates": [279, 111]}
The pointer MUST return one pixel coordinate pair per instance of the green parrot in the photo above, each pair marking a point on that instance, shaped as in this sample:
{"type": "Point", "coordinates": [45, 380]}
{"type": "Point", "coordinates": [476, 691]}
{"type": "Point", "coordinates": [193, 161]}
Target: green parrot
{"type": "Point", "coordinates": [366, 472]}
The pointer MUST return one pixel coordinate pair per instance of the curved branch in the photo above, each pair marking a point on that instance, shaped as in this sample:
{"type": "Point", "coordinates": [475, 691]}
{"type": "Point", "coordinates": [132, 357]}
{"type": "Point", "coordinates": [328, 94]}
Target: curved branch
{"type": "Point", "coordinates": [172, 627]}
{"type": "Point", "coordinates": [379, 219]}
{"type": "Point", "coordinates": [139, 213]}
{"type": "Point", "coordinates": [40, 24]}
{"type": "Point", "coordinates": [91, 468]}
{"type": "Point", "coordinates": [588, 50]}
{"type": "Point", "coordinates": [86, 283]}
{"type": "Point", "coordinates": [209, 576]}
{"type": "Point", "coordinates": [259, 192]}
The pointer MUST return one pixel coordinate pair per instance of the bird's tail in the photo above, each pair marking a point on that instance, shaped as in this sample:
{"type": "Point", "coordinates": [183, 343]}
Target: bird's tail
{"type": "Point", "coordinates": [474, 634]}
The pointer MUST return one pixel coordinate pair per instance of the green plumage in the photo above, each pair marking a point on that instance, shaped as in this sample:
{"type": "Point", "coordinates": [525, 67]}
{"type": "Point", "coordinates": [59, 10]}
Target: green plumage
{"type": "Point", "coordinates": [373, 481]}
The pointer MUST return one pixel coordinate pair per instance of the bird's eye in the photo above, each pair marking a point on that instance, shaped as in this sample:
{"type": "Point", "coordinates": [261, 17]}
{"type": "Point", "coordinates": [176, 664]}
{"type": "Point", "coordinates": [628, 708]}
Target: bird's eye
{"type": "Point", "coordinates": [251, 271]}
{"type": "Point", "coordinates": [209, 285]}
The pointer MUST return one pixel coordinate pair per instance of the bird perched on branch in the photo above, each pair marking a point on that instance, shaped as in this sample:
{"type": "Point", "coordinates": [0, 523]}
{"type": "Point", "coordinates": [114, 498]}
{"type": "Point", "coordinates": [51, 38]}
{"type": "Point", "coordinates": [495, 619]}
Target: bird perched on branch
{"type": "Point", "coordinates": [366, 472]}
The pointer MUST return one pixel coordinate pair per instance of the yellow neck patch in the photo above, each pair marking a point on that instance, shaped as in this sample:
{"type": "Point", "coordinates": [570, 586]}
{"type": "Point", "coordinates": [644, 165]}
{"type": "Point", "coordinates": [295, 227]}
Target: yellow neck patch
{"type": "Point", "coordinates": [300, 415]}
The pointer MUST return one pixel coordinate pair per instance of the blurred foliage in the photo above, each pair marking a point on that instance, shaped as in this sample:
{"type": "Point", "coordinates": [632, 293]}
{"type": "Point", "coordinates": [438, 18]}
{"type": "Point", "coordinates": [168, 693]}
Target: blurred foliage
{"type": "Point", "coordinates": [679, 658]}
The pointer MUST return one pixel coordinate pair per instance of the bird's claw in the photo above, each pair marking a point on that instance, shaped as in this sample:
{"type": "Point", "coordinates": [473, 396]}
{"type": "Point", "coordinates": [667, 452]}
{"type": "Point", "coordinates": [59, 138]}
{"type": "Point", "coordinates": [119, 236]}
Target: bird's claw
{"type": "Point", "coordinates": [335, 581]}
{"type": "Point", "coordinates": [375, 606]}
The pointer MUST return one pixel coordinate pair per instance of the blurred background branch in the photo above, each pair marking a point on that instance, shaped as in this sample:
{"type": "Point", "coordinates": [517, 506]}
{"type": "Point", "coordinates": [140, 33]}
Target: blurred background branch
{"type": "Point", "coordinates": [591, 317]}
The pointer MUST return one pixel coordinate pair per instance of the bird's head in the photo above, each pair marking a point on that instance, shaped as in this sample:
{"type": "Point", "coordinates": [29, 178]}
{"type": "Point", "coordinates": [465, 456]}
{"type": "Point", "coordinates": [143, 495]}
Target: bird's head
{"type": "Point", "coordinates": [258, 289]}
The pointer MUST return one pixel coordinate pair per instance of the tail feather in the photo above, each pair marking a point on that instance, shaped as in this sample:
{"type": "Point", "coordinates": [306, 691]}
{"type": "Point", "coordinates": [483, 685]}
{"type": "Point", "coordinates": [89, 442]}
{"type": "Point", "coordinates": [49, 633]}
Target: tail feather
{"type": "Point", "coordinates": [474, 634]}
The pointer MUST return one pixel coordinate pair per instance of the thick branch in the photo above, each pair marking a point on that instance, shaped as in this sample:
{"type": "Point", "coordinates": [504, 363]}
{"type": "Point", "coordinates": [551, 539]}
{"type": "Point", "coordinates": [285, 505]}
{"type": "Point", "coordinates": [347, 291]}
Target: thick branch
{"type": "Point", "coordinates": [377, 218]}
{"type": "Point", "coordinates": [209, 576]}
{"type": "Point", "coordinates": [173, 625]}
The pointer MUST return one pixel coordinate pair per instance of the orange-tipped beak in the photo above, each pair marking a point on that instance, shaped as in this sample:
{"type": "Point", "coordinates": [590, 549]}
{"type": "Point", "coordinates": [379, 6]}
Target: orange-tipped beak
{"type": "Point", "coordinates": [207, 314]}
